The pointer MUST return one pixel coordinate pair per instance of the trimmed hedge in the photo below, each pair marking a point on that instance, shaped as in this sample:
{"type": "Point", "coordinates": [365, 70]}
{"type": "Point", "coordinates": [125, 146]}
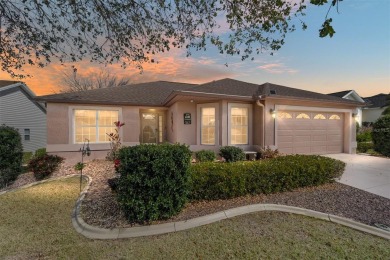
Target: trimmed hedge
{"type": "Point", "coordinates": [232, 153]}
{"type": "Point", "coordinates": [11, 154]}
{"type": "Point", "coordinates": [381, 135]}
{"type": "Point", "coordinates": [210, 181]}
{"type": "Point", "coordinates": [154, 181]}
{"type": "Point", "coordinates": [205, 156]}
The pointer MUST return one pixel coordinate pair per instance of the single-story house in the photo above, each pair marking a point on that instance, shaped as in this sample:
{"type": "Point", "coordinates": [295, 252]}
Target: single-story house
{"type": "Point", "coordinates": [205, 116]}
{"type": "Point", "coordinates": [351, 95]}
{"type": "Point", "coordinates": [19, 109]}
{"type": "Point", "coordinates": [375, 107]}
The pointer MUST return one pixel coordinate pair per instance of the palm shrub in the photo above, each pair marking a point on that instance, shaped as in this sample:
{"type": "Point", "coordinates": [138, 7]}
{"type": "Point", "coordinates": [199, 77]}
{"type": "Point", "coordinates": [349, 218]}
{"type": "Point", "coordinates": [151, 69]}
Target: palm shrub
{"type": "Point", "coordinates": [232, 153]}
{"type": "Point", "coordinates": [381, 135]}
{"type": "Point", "coordinates": [154, 181]}
{"type": "Point", "coordinates": [11, 155]}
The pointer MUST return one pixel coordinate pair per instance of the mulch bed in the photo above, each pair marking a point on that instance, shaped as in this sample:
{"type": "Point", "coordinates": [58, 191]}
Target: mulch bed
{"type": "Point", "coordinates": [100, 207]}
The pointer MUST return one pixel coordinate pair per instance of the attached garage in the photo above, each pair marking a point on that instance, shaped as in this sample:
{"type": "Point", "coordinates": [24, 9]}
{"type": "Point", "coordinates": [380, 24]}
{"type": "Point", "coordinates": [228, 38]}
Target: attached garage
{"type": "Point", "coordinates": [305, 132]}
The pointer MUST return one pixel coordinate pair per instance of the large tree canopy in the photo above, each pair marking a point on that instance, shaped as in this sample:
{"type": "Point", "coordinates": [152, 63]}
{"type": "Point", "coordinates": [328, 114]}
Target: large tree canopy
{"type": "Point", "coordinates": [37, 32]}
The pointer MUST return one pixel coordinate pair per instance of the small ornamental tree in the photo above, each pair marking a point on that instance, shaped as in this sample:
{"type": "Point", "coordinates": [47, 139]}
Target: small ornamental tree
{"type": "Point", "coordinates": [11, 155]}
{"type": "Point", "coordinates": [115, 142]}
{"type": "Point", "coordinates": [381, 135]}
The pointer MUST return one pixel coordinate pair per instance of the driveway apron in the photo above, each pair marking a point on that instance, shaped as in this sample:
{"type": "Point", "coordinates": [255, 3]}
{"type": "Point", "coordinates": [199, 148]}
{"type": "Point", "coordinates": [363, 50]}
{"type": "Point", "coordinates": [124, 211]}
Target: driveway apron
{"type": "Point", "coordinates": [368, 173]}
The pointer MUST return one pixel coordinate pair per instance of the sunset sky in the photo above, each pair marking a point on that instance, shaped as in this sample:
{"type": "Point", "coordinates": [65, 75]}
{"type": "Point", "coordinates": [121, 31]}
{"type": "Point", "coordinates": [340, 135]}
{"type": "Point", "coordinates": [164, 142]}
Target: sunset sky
{"type": "Point", "coordinates": [357, 57]}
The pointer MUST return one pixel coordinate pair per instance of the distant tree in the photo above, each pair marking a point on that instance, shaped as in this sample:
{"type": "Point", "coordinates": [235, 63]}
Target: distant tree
{"type": "Point", "coordinates": [387, 109]}
{"type": "Point", "coordinates": [72, 82]}
{"type": "Point", "coordinates": [37, 32]}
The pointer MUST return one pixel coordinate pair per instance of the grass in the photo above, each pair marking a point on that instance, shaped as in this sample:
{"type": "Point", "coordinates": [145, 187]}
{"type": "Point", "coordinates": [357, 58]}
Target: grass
{"type": "Point", "coordinates": [35, 223]}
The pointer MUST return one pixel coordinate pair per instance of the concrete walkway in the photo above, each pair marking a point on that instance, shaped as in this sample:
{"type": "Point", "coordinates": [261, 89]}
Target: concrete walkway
{"type": "Point", "coordinates": [368, 173]}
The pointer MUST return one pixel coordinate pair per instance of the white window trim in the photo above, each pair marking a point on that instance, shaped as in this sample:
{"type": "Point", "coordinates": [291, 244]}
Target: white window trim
{"type": "Point", "coordinates": [199, 122]}
{"type": "Point", "coordinates": [72, 124]}
{"type": "Point", "coordinates": [249, 130]}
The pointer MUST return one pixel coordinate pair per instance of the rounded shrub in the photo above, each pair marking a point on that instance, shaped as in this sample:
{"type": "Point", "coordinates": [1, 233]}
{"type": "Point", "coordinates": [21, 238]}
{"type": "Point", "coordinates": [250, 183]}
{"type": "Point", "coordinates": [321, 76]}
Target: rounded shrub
{"type": "Point", "coordinates": [154, 181]}
{"type": "Point", "coordinates": [11, 155]}
{"type": "Point", "coordinates": [43, 166]}
{"type": "Point", "coordinates": [40, 152]}
{"type": "Point", "coordinates": [232, 153]}
{"type": "Point", "coordinates": [205, 156]}
{"type": "Point", "coordinates": [381, 135]}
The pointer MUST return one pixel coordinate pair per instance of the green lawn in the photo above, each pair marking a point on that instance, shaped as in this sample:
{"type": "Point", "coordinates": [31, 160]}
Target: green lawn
{"type": "Point", "coordinates": [36, 223]}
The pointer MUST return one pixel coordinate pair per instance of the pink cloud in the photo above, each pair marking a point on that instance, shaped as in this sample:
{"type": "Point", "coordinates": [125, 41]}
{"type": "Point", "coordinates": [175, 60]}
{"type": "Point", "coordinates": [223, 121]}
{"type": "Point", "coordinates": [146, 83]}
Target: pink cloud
{"type": "Point", "coordinates": [277, 68]}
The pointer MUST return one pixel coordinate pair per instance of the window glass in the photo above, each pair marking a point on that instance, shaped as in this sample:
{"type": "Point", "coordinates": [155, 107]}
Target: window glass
{"type": "Point", "coordinates": [208, 125]}
{"type": "Point", "coordinates": [303, 116]}
{"type": "Point", "coordinates": [319, 116]}
{"type": "Point", "coordinates": [284, 115]}
{"type": "Point", "coordinates": [27, 134]}
{"type": "Point", "coordinates": [239, 125]}
{"type": "Point", "coordinates": [94, 125]}
{"type": "Point", "coordinates": [334, 117]}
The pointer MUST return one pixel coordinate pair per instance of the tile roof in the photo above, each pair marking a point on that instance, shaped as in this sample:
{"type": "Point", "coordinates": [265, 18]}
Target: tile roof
{"type": "Point", "coordinates": [283, 91]}
{"type": "Point", "coordinates": [149, 94]}
{"type": "Point", "coordinates": [340, 94]}
{"type": "Point", "coordinates": [379, 100]}
{"type": "Point", "coordinates": [155, 93]}
{"type": "Point", "coordinates": [5, 83]}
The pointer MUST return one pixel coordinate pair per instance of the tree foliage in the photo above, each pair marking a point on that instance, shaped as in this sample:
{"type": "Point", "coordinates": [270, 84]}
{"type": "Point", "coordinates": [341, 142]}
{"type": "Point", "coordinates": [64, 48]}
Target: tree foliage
{"type": "Point", "coordinates": [387, 109]}
{"type": "Point", "coordinates": [38, 32]}
{"type": "Point", "coordinates": [72, 82]}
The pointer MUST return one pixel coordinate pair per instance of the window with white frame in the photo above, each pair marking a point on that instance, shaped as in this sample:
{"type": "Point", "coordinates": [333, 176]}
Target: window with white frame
{"type": "Point", "coordinates": [207, 128]}
{"type": "Point", "coordinates": [239, 122]}
{"type": "Point", "coordinates": [94, 124]}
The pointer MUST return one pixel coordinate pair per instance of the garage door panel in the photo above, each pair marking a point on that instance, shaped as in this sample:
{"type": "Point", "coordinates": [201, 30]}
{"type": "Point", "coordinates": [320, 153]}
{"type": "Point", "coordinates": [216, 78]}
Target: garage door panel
{"type": "Point", "coordinates": [285, 138]}
{"type": "Point", "coordinates": [302, 150]}
{"type": "Point", "coordinates": [317, 135]}
{"type": "Point", "coordinates": [321, 149]}
{"type": "Point", "coordinates": [285, 132]}
{"type": "Point", "coordinates": [318, 138]}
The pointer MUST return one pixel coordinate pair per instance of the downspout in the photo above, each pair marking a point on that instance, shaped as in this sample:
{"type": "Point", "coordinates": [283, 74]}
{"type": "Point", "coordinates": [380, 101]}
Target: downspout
{"type": "Point", "coordinates": [263, 119]}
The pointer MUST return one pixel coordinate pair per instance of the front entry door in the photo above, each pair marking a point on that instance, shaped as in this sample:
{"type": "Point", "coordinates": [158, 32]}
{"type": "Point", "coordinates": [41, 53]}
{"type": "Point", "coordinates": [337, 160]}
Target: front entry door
{"type": "Point", "coordinates": [151, 128]}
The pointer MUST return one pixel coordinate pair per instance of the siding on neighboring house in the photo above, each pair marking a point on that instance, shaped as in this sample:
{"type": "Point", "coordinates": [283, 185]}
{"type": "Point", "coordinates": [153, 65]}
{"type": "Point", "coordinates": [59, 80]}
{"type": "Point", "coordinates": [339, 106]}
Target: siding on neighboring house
{"type": "Point", "coordinates": [18, 111]}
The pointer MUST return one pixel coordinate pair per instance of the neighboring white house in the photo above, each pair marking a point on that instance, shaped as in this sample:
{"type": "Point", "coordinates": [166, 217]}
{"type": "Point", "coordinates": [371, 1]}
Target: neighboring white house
{"type": "Point", "coordinates": [19, 110]}
{"type": "Point", "coordinates": [375, 106]}
{"type": "Point", "coordinates": [352, 95]}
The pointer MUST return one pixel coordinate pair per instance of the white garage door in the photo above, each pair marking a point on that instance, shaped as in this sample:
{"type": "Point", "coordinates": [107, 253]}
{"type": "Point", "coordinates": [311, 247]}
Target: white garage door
{"type": "Point", "coordinates": [309, 132]}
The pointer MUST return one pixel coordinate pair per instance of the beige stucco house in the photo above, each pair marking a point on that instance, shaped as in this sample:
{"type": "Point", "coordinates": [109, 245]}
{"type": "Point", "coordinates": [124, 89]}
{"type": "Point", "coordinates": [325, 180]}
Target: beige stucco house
{"type": "Point", "coordinates": [205, 116]}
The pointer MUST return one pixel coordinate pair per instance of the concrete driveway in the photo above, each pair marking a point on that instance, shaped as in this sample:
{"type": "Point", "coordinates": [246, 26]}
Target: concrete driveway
{"type": "Point", "coordinates": [368, 173]}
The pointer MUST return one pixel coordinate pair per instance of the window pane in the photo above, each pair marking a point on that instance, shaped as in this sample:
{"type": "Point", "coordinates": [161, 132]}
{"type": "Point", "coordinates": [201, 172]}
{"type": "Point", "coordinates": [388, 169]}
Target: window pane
{"type": "Point", "coordinates": [239, 125]}
{"type": "Point", "coordinates": [107, 118]}
{"type": "Point", "coordinates": [208, 126]}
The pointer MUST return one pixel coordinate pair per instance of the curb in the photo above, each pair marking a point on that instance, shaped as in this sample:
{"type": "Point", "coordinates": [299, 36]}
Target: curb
{"type": "Point", "coordinates": [93, 232]}
{"type": "Point", "coordinates": [40, 182]}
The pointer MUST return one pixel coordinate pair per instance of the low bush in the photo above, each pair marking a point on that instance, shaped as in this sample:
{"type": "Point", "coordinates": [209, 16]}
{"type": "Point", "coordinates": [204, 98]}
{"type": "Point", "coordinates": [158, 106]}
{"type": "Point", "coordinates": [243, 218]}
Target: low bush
{"type": "Point", "coordinates": [232, 153]}
{"type": "Point", "coordinates": [363, 147]}
{"type": "Point", "coordinates": [27, 157]}
{"type": "Point", "coordinates": [364, 135]}
{"type": "Point", "coordinates": [154, 181]}
{"type": "Point", "coordinates": [40, 152]}
{"type": "Point", "coordinates": [381, 135]}
{"type": "Point", "coordinates": [205, 156]}
{"type": "Point", "coordinates": [210, 181]}
{"type": "Point", "coordinates": [44, 166]}
{"type": "Point", "coordinates": [268, 153]}
{"type": "Point", "coordinates": [11, 155]}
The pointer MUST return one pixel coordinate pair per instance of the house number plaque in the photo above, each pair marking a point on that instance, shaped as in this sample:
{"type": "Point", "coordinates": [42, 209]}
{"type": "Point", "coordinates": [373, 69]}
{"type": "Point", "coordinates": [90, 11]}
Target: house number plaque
{"type": "Point", "coordinates": [187, 118]}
